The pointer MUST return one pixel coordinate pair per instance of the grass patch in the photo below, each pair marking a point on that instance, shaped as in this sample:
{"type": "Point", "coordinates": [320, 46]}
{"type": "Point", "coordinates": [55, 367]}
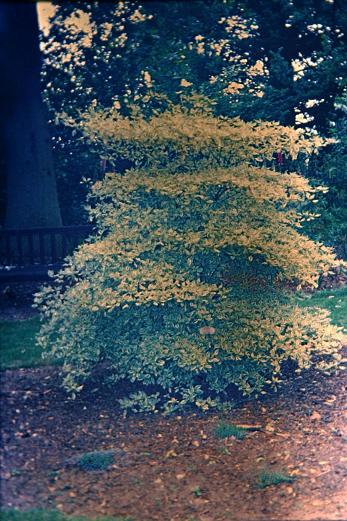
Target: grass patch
{"type": "Point", "coordinates": [197, 491]}
{"type": "Point", "coordinates": [267, 478]}
{"type": "Point", "coordinates": [224, 430]}
{"type": "Point", "coordinates": [49, 515]}
{"type": "Point", "coordinates": [334, 301]}
{"type": "Point", "coordinates": [18, 347]}
{"type": "Point", "coordinates": [96, 460]}
{"type": "Point", "coordinates": [17, 344]}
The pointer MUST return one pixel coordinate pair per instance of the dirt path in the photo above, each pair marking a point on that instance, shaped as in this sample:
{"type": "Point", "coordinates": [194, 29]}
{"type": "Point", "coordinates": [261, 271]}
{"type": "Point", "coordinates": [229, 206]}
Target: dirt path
{"type": "Point", "coordinates": [175, 469]}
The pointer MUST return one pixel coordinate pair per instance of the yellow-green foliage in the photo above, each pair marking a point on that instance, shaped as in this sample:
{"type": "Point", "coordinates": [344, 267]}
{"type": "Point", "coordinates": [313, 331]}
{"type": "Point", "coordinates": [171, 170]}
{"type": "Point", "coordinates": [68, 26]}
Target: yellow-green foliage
{"type": "Point", "coordinates": [184, 287]}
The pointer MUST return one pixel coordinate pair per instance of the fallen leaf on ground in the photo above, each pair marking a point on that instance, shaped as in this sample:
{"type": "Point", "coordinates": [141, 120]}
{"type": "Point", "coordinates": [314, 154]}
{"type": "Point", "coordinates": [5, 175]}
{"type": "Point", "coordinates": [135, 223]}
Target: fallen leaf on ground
{"type": "Point", "coordinates": [330, 400]}
{"type": "Point", "coordinates": [170, 454]}
{"type": "Point", "coordinates": [249, 427]}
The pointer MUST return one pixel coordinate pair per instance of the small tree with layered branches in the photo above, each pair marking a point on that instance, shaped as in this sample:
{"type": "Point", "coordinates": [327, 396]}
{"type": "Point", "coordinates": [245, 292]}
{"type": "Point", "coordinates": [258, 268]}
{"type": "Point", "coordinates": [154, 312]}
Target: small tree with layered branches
{"type": "Point", "coordinates": [184, 289]}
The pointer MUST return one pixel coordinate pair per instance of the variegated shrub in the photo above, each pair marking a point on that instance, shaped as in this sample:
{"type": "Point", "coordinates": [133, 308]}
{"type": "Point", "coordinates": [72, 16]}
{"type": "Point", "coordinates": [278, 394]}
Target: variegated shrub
{"type": "Point", "coordinates": [184, 288]}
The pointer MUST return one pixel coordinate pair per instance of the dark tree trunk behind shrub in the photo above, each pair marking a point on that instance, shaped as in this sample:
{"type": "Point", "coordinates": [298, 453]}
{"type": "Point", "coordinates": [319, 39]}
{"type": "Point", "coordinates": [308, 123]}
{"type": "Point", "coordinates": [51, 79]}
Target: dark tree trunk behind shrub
{"type": "Point", "coordinates": [30, 186]}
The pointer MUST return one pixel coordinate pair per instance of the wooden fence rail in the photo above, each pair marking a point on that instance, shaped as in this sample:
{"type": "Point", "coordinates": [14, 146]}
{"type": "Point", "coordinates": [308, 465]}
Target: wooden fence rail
{"type": "Point", "coordinates": [27, 254]}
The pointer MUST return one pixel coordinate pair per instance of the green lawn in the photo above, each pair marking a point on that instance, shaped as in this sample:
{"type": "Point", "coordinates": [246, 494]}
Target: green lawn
{"type": "Point", "coordinates": [46, 515]}
{"type": "Point", "coordinates": [333, 300]}
{"type": "Point", "coordinates": [17, 344]}
{"type": "Point", "coordinates": [17, 338]}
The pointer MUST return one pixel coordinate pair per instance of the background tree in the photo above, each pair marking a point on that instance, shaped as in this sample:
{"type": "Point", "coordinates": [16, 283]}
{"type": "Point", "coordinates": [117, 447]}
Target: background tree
{"type": "Point", "coordinates": [330, 169]}
{"type": "Point", "coordinates": [277, 61]}
{"type": "Point", "coordinates": [30, 186]}
{"type": "Point", "coordinates": [303, 48]}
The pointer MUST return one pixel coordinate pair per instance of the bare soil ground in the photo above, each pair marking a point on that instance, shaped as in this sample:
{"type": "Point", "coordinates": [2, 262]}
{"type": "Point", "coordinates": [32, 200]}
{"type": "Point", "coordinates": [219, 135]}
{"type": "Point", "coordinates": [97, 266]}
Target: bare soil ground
{"type": "Point", "coordinates": [174, 468]}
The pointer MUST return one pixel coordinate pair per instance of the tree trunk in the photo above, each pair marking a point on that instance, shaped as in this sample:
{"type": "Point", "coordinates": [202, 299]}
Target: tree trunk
{"type": "Point", "coordinates": [30, 194]}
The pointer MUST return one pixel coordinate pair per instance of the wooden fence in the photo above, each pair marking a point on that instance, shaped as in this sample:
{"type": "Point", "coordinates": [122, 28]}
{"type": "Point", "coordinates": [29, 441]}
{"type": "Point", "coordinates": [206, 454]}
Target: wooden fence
{"type": "Point", "coordinates": [28, 254]}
